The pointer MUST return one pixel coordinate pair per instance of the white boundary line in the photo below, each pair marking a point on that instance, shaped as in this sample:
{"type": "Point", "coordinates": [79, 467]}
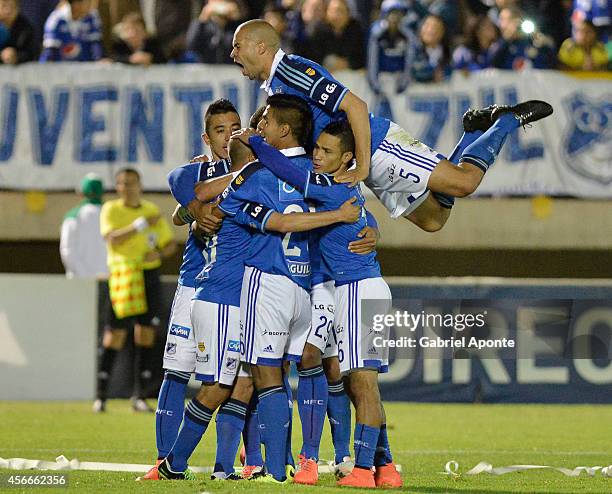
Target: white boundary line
{"type": "Point", "coordinates": [62, 463]}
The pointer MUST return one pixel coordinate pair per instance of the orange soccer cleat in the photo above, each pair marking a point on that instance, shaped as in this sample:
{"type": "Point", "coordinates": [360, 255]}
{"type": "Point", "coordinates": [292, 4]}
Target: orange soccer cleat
{"type": "Point", "coordinates": [307, 471]}
{"type": "Point", "coordinates": [152, 474]}
{"type": "Point", "coordinates": [359, 477]}
{"type": "Point", "coordinates": [387, 476]}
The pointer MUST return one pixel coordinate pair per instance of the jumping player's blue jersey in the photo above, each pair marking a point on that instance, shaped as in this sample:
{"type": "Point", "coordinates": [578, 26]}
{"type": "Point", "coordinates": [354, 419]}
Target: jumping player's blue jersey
{"type": "Point", "coordinates": [193, 260]}
{"type": "Point", "coordinates": [271, 252]}
{"type": "Point", "coordinates": [292, 74]}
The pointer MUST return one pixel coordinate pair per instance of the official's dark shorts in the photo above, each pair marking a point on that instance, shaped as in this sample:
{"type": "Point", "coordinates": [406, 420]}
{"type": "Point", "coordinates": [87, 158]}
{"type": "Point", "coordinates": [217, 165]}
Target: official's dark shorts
{"type": "Point", "coordinates": [153, 292]}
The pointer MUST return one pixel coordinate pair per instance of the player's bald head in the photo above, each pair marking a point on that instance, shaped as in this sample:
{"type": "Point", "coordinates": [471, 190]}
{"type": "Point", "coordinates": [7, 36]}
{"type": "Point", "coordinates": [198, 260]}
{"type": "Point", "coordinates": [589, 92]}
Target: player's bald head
{"type": "Point", "coordinates": [260, 31]}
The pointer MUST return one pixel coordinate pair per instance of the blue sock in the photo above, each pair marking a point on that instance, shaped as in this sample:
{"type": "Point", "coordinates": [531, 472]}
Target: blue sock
{"type": "Point", "coordinates": [383, 451]}
{"type": "Point", "coordinates": [339, 413]}
{"type": "Point", "coordinates": [195, 422]}
{"type": "Point", "coordinates": [288, 454]}
{"type": "Point", "coordinates": [230, 422]}
{"type": "Point", "coordinates": [466, 139]}
{"type": "Point", "coordinates": [484, 150]}
{"type": "Point", "coordinates": [169, 414]}
{"type": "Point", "coordinates": [312, 405]}
{"type": "Point", "coordinates": [250, 435]}
{"type": "Point", "coordinates": [365, 439]}
{"type": "Point", "coordinates": [273, 412]}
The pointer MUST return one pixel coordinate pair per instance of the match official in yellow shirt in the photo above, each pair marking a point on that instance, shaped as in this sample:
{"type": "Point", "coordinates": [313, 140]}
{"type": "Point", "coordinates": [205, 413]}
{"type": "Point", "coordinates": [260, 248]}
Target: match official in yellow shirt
{"type": "Point", "coordinates": [137, 238]}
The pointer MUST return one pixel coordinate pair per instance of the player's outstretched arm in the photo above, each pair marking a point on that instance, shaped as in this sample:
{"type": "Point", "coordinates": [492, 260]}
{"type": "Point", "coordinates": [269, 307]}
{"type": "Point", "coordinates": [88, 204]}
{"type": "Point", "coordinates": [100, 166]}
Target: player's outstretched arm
{"type": "Point", "coordinates": [302, 222]}
{"type": "Point", "coordinates": [211, 189]}
{"type": "Point", "coordinates": [357, 114]}
{"type": "Point", "coordinates": [264, 219]}
{"type": "Point", "coordinates": [278, 163]}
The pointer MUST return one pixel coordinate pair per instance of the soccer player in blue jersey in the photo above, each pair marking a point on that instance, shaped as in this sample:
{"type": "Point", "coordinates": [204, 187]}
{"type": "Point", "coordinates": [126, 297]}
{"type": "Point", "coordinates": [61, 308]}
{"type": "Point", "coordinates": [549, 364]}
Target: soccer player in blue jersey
{"type": "Point", "coordinates": [398, 168]}
{"type": "Point", "coordinates": [357, 278]}
{"type": "Point", "coordinates": [275, 305]}
{"type": "Point", "coordinates": [221, 118]}
{"type": "Point", "coordinates": [215, 312]}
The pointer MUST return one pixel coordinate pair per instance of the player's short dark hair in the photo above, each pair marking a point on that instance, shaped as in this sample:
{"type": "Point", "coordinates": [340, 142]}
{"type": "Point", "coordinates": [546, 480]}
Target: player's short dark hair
{"type": "Point", "coordinates": [343, 131]}
{"type": "Point", "coordinates": [126, 169]}
{"type": "Point", "coordinates": [217, 107]}
{"type": "Point", "coordinates": [588, 24]}
{"type": "Point", "coordinates": [295, 112]}
{"type": "Point", "coordinates": [256, 117]}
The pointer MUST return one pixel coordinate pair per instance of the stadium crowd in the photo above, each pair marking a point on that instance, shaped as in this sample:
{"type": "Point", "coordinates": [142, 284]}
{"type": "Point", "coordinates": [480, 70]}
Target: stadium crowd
{"type": "Point", "coordinates": [422, 40]}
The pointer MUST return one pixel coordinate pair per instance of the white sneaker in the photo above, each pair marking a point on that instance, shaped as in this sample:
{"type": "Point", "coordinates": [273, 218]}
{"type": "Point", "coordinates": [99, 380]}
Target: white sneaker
{"type": "Point", "coordinates": [140, 405]}
{"type": "Point", "coordinates": [343, 469]}
{"type": "Point", "coordinates": [99, 406]}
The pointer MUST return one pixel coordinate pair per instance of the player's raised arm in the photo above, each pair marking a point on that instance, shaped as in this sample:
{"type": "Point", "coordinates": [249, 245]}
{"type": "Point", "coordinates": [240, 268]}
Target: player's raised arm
{"type": "Point", "coordinates": [208, 191]}
{"type": "Point", "coordinates": [357, 114]}
{"type": "Point", "coordinates": [264, 219]}
{"type": "Point", "coordinates": [274, 160]}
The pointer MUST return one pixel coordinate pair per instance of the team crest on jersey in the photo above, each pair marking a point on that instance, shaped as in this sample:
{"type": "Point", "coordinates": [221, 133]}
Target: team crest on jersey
{"type": "Point", "coordinates": [310, 71]}
{"type": "Point", "coordinates": [588, 141]}
{"type": "Point", "coordinates": [201, 346]}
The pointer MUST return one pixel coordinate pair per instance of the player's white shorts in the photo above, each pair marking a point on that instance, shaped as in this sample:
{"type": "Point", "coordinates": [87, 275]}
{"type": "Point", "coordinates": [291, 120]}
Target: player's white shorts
{"type": "Point", "coordinates": [180, 349]}
{"type": "Point", "coordinates": [217, 334]}
{"type": "Point", "coordinates": [322, 332]}
{"type": "Point", "coordinates": [400, 170]}
{"type": "Point", "coordinates": [275, 318]}
{"type": "Point", "coordinates": [357, 348]}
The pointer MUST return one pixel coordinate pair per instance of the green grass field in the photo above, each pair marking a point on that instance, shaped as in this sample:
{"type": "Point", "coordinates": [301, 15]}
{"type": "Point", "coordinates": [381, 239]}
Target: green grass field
{"type": "Point", "coordinates": [423, 438]}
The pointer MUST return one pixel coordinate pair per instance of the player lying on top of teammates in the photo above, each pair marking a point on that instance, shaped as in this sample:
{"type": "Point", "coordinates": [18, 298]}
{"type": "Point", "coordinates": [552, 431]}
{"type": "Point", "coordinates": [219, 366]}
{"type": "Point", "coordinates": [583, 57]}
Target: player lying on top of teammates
{"type": "Point", "coordinates": [357, 279]}
{"type": "Point", "coordinates": [312, 388]}
{"type": "Point", "coordinates": [215, 312]}
{"type": "Point", "coordinates": [398, 168]}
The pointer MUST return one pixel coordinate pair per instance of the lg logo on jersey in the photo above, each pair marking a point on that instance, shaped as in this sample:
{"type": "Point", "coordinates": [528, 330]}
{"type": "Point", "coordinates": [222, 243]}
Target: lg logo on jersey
{"type": "Point", "coordinates": [329, 89]}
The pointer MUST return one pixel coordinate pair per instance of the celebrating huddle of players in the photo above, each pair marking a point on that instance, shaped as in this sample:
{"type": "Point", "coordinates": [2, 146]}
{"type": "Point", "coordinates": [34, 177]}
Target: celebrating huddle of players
{"type": "Point", "coordinates": [280, 264]}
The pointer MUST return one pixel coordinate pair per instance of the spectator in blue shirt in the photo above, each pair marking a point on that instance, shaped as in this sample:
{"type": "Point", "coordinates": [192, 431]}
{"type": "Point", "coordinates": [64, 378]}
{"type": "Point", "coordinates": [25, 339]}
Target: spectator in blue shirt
{"type": "Point", "coordinates": [432, 52]}
{"type": "Point", "coordinates": [72, 34]}
{"type": "Point", "coordinates": [518, 50]}
{"type": "Point", "coordinates": [479, 47]}
{"type": "Point", "coordinates": [390, 47]}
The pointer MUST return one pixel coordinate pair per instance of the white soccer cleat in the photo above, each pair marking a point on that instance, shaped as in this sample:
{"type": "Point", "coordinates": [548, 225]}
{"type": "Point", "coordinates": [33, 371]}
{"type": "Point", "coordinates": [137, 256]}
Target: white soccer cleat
{"type": "Point", "coordinates": [343, 469]}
